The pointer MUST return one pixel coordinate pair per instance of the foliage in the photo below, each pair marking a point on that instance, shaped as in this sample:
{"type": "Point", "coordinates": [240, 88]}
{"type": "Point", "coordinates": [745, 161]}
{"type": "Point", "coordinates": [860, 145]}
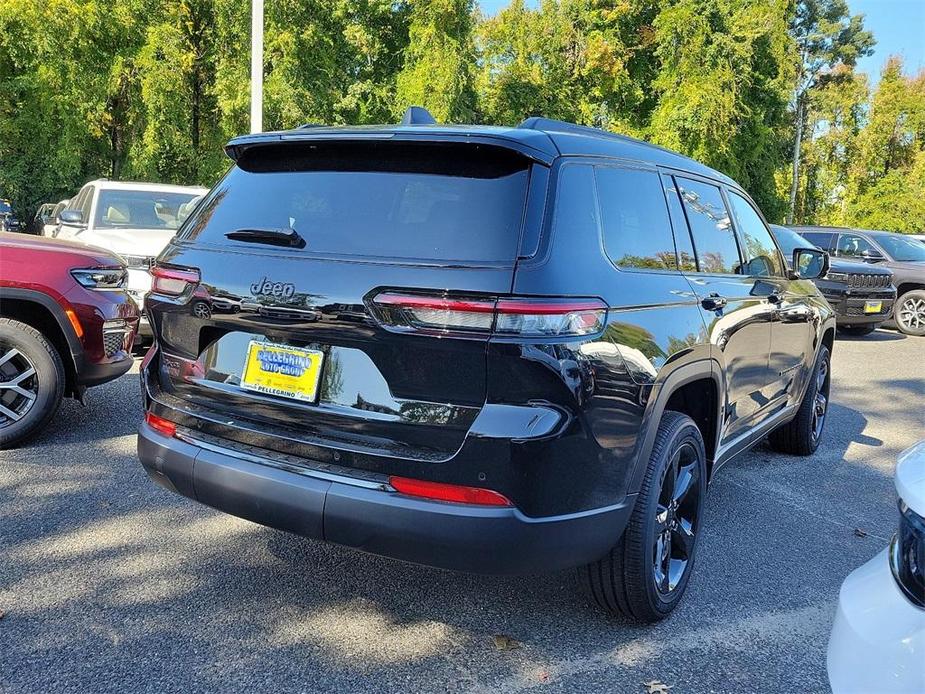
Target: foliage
{"type": "Point", "coordinates": [438, 60]}
{"type": "Point", "coordinates": [151, 89]}
{"type": "Point", "coordinates": [726, 68]}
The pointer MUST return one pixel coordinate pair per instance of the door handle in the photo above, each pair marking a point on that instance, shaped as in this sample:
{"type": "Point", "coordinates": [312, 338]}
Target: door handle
{"type": "Point", "coordinates": [713, 302]}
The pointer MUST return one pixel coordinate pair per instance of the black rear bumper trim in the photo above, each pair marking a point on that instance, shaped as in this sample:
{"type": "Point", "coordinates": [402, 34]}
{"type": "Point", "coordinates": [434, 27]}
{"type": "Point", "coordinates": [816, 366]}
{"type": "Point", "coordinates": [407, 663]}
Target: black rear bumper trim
{"type": "Point", "coordinates": [479, 539]}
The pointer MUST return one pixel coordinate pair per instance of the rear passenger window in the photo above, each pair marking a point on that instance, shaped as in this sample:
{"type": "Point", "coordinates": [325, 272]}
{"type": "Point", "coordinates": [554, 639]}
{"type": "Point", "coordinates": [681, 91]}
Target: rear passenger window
{"type": "Point", "coordinates": [634, 219]}
{"type": "Point", "coordinates": [711, 228]}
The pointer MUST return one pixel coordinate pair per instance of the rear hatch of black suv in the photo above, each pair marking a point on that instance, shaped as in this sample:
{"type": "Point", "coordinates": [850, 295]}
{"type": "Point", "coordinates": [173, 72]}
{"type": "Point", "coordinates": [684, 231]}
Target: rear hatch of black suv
{"type": "Point", "coordinates": [332, 300]}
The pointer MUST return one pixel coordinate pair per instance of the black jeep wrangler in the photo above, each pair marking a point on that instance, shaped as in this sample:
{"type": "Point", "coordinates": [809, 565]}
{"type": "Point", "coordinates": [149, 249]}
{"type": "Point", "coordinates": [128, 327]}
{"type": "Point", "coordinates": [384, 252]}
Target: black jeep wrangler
{"type": "Point", "coordinates": [489, 349]}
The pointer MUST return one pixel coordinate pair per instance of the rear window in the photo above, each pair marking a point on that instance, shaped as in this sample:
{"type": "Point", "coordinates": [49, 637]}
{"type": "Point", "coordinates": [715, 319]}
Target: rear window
{"type": "Point", "coordinates": [458, 203]}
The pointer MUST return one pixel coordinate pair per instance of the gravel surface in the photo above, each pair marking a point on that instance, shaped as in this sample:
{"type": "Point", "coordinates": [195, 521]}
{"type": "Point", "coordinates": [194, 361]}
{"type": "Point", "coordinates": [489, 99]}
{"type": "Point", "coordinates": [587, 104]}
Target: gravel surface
{"type": "Point", "coordinates": [108, 583]}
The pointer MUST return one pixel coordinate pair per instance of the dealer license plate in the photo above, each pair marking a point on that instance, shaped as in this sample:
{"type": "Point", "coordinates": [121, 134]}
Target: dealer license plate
{"type": "Point", "coordinates": [282, 370]}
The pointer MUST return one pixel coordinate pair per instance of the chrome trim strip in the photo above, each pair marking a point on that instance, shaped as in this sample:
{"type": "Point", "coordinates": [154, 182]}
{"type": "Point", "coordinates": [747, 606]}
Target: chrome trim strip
{"type": "Point", "coordinates": [186, 436]}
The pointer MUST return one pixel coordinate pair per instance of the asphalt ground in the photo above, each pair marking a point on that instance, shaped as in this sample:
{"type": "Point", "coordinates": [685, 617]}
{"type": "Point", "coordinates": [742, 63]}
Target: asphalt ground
{"type": "Point", "coordinates": [108, 583]}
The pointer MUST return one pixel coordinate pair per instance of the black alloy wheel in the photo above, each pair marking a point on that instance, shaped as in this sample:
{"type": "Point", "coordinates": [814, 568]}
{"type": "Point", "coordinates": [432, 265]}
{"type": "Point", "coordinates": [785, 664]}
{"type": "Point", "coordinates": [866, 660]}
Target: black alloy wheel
{"type": "Point", "coordinates": [677, 520]}
{"type": "Point", "coordinates": [821, 400]}
{"type": "Point", "coordinates": [802, 434]}
{"type": "Point", "coordinates": [645, 574]}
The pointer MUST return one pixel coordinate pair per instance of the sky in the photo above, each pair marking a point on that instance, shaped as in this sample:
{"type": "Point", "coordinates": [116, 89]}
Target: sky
{"type": "Point", "coordinates": [898, 26]}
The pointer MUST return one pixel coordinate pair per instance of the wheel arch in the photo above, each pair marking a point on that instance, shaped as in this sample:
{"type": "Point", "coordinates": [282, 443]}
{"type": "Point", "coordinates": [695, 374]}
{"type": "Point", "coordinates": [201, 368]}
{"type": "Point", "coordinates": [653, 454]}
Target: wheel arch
{"type": "Point", "coordinates": [908, 286]}
{"type": "Point", "coordinates": [682, 390]}
{"type": "Point", "coordinates": [45, 315]}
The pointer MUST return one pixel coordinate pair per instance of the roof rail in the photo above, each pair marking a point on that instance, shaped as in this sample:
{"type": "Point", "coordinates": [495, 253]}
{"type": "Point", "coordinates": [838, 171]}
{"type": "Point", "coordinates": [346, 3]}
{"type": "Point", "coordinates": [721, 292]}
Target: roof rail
{"type": "Point", "coordinates": [306, 126]}
{"type": "Point", "coordinates": [553, 125]}
{"type": "Point", "coordinates": [417, 115]}
{"type": "Point", "coordinates": [541, 123]}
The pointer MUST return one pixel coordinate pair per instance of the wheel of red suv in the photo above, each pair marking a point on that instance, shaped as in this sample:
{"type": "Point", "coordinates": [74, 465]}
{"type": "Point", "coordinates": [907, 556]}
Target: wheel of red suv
{"type": "Point", "coordinates": [801, 436]}
{"type": "Point", "coordinates": [910, 313]}
{"type": "Point", "coordinates": [858, 330]}
{"type": "Point", "coordinates": [644, 576]}
{"type": "Point", "coordinates": [31, 381]}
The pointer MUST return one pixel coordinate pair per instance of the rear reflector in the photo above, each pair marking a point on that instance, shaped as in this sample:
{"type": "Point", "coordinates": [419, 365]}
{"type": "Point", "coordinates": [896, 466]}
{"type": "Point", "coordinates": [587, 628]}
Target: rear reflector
{"type": "Point", "coordinates": [172, 282]}
{"type": "Point", "coordinates": [162, 426]}
{"type": "Point", "coordinates": [525, 317]}
{"type": "Point", "coordinates": [454, 493]}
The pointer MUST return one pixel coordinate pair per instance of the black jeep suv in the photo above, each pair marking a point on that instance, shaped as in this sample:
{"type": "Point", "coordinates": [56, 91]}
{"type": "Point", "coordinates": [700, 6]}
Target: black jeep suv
{"type": "Point", "coordinates": [489, 349]}
{"type": "Point", "coordinates": [901, 254]}
{"type": "Point", "coordinates": [862, 295]}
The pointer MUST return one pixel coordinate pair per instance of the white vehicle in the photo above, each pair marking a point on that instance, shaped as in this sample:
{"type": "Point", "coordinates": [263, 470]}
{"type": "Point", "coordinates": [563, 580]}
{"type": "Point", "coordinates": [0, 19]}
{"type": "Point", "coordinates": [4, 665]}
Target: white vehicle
{"type": "Point", "coordinates": [878, 640]}
{"type": "Point", "coordinates": [135, 220]}
{"type": "Point", "coordinates": [50, 228]}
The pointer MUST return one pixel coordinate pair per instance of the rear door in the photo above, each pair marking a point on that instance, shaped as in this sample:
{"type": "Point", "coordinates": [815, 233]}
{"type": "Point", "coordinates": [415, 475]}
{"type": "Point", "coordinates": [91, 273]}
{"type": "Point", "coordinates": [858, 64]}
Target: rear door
{"type": "Point", "coordinates": [301, 252]}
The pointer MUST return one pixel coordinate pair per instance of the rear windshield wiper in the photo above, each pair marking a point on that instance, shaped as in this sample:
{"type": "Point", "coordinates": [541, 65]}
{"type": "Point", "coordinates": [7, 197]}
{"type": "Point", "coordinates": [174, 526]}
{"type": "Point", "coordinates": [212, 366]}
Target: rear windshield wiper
{"type": "Point", "coordinates": [273, 237]}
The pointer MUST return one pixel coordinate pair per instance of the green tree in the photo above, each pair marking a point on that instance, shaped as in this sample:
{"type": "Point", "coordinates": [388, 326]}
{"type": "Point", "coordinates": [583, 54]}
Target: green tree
{"type": "Point", "coordinates": [835, 115]}
{"type": "Point", "coordinates": [586, 61]}
{"type": "Point", "coordinates": [826, 36]}
{"type": "Point", "coordinates": [438, 61]}
{"type": "Point", "coordinates": [66, 85]}
{"type": "Point", "coordinates": [179, 142]}
{"type": "Point", "coordinates": [887, 172]}
{"type": "Point", "coordinates": [722, 84]}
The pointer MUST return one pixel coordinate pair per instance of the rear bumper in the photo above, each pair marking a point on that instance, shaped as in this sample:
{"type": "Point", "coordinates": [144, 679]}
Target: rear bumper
{"type": "Point", "coordinates": [370, 516]}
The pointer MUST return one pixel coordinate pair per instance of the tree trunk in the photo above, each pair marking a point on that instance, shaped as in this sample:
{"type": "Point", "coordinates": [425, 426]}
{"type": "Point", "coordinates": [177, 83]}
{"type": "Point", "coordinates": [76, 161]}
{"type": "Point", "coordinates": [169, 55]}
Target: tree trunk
{"type": "Point", "coordinates": [795, 185]}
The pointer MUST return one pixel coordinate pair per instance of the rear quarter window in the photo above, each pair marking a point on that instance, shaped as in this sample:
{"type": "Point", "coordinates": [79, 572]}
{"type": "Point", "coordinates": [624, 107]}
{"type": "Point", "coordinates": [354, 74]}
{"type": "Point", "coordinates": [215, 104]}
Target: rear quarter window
{"type": "Point", "coordinates": [634, 218]}
{"type": "Point", "coordinates": [429, 202]}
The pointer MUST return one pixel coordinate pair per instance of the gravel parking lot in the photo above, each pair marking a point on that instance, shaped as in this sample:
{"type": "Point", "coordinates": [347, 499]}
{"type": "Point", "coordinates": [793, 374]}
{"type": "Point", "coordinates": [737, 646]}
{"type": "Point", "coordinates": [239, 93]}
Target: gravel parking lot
{"type": "Point", "coordinates": [108, 583]}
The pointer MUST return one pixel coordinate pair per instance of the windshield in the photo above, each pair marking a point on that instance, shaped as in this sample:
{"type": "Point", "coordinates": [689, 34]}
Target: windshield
{"type": "Point", "coordinates": [789, 241]}
{"type": "Point", "coordinates": [453, 203]}
{"type": "Point", "coordinates": [902, 249]}
{"type": "Point", "coordinates": [142, 209]}
{"type": "Point", "coordinates": [5, 207]}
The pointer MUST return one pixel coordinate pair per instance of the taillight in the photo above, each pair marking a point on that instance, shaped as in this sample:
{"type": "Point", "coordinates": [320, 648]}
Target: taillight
{"type": "Point", "coordinates": [162, 426]}
{"type": "Point", "coordinates": [455, 493]}
{"type": "Point", "coordinates": [172, 282]}
{"type": "Point", "coordinates": [520, 316]}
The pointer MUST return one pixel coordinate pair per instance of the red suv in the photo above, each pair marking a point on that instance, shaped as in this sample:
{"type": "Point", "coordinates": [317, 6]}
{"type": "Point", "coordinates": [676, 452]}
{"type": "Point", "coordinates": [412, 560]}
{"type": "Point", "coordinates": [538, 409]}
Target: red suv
{"type": "Point", "coordinates": [66, 323]}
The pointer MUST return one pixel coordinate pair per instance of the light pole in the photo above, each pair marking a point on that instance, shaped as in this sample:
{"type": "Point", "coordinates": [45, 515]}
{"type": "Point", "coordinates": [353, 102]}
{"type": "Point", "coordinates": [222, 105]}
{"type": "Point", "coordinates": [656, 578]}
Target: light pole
{"type": "Point", "coordinates": [256, 66]}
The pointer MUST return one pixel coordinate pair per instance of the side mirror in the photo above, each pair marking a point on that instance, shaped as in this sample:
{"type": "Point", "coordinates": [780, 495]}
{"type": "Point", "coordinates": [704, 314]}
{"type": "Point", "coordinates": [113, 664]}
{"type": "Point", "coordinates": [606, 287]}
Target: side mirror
{"type": "Point", "coordinates": [72, 218]}
{"type": "Point", "coordinates": [871, 256]}
{"type": "Point", "coordinates": [810, 263]}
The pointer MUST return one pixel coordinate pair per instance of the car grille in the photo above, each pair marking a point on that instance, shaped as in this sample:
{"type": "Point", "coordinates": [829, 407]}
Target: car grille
{"type": "Point", "coordinates": [868, 280]}
{"type": "Point", "coordinates": [139, 261]}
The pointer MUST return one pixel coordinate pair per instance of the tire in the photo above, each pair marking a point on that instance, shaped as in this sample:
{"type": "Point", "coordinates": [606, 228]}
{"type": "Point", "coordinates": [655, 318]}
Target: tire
{"type": "Point", "coordinates": [802, 434]}
{"type": "Point", "coordinates": [629, 580]}
{"type": "Point", "coordinates": [23, 348]}
{"type": "Point", "coordinates": [909, 313]}
{"type": "Point", "coordinates": [859, 330]}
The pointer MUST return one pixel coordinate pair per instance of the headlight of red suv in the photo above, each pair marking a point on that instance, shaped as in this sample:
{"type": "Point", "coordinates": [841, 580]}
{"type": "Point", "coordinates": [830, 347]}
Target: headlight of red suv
{"type": "Point", "coordinates": [907, 554]}
{"type": "Point", "coordinates": [101, 278]}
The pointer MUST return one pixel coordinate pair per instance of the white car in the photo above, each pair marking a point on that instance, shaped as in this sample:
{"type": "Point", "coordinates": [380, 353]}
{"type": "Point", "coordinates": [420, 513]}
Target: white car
{"type": "Point", "coordinates": [878, 640]}
{"type": "Point", "coordinates": [50, 228]}
{"type": "Point", "coordinates": [135, 220]}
